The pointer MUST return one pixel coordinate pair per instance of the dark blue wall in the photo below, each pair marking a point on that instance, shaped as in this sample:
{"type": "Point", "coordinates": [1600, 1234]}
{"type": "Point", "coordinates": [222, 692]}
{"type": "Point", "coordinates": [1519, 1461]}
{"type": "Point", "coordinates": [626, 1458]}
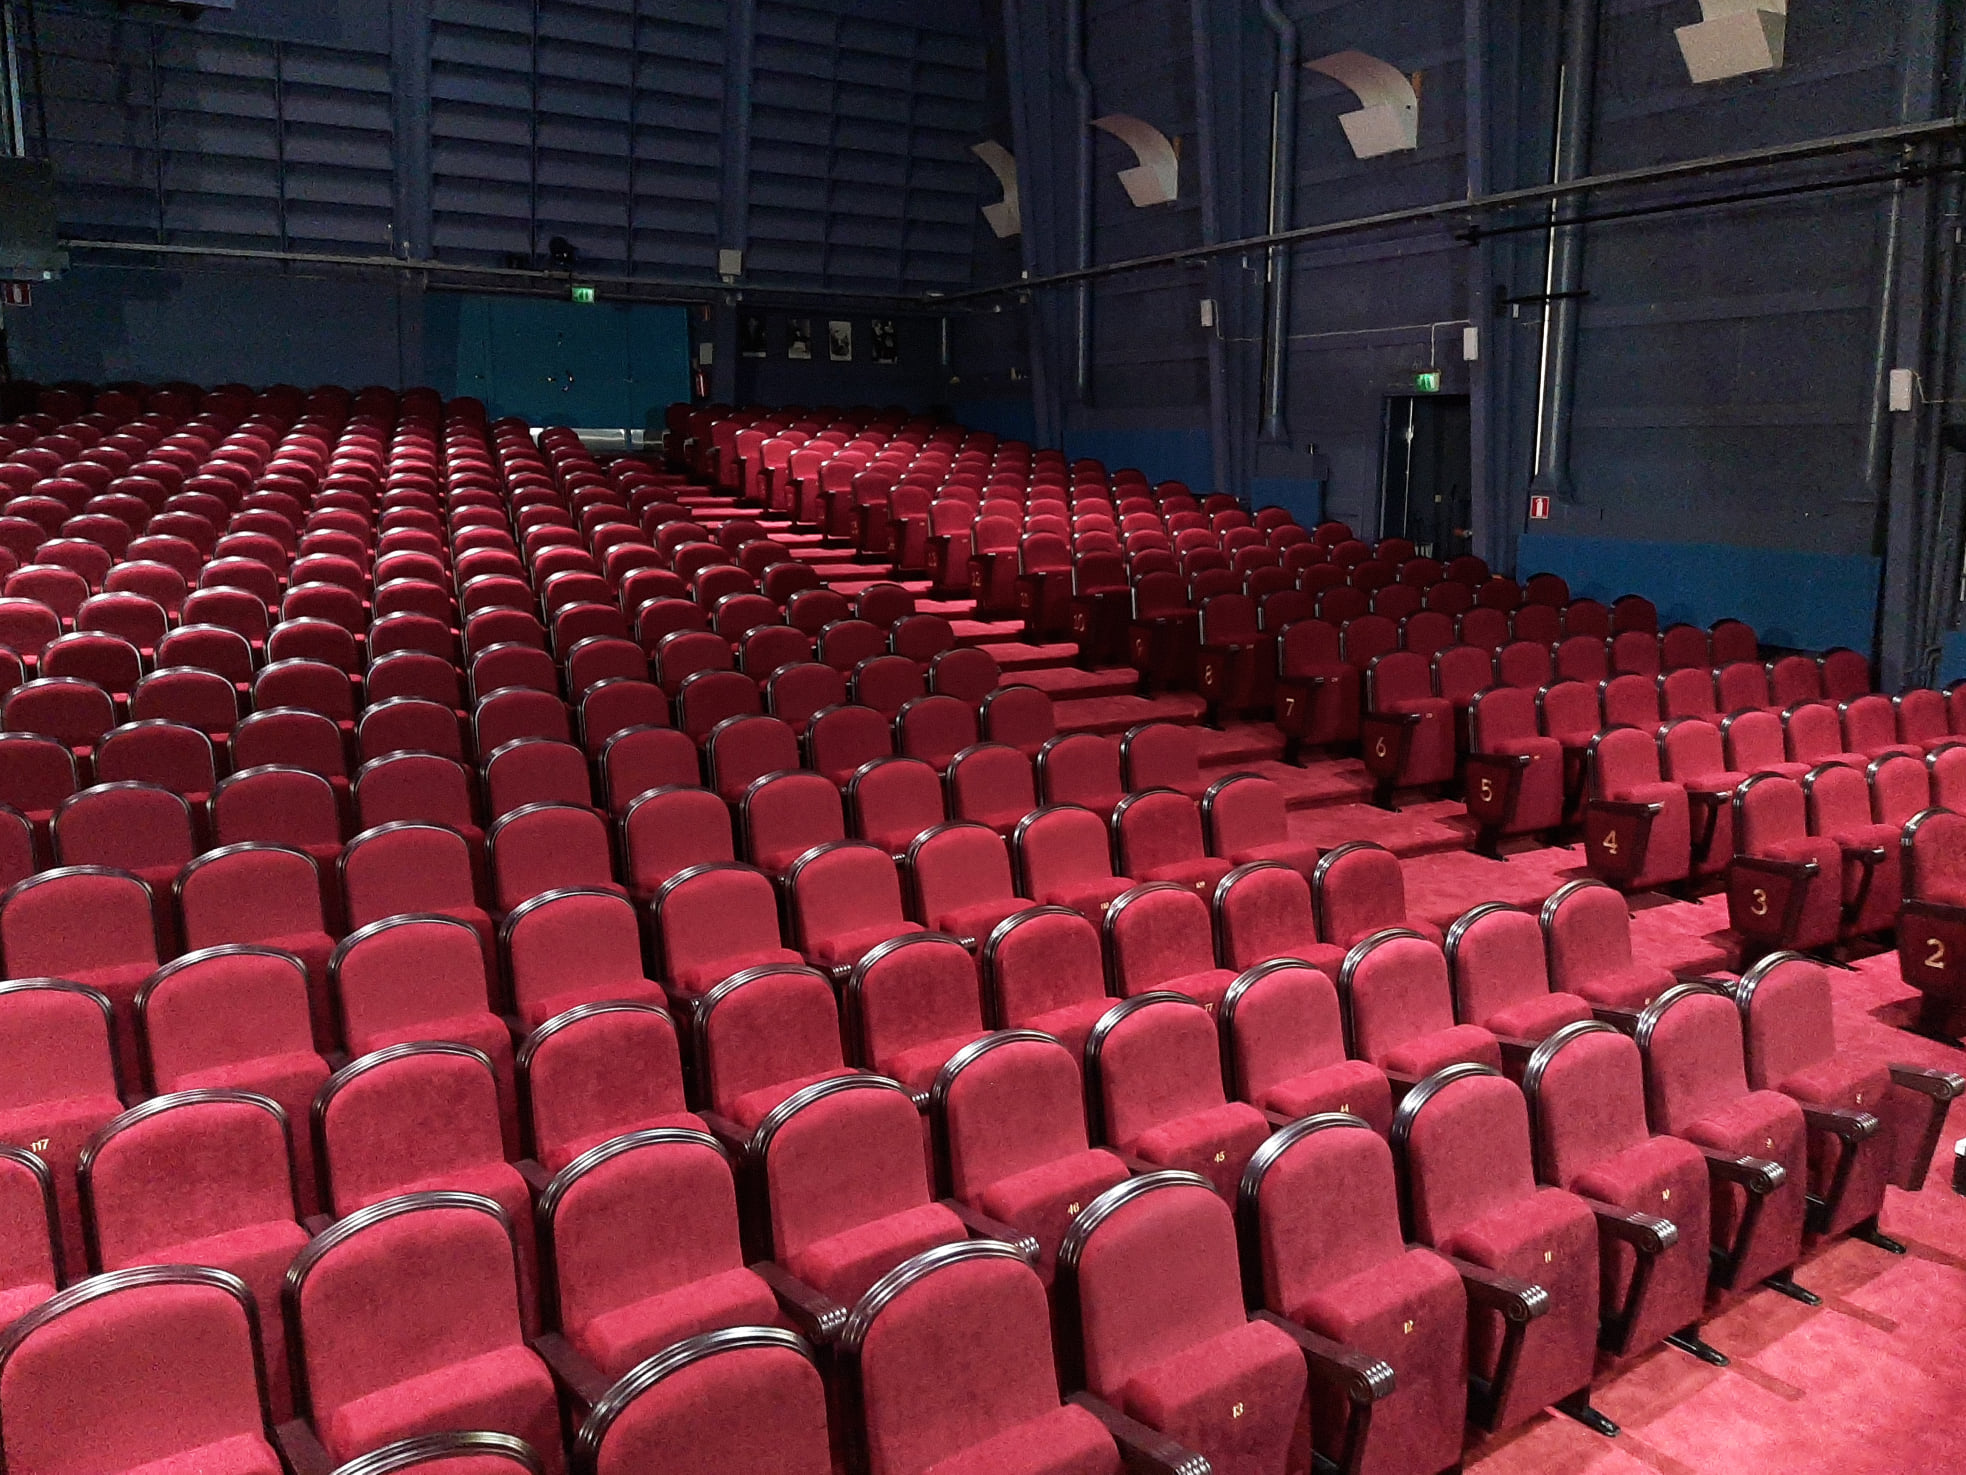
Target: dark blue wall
{"type": "Point", "coordinates": [1723, 394]}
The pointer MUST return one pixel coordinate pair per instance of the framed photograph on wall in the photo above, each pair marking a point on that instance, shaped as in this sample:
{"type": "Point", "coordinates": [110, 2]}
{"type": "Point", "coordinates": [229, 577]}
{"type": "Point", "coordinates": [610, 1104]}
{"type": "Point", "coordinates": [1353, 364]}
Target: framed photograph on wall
{"type": "Point", "coordinates": [751, 335]}
{"type": "Point", "coordinates": [887, 349]}
{"type": "Point", "coordinates": [839, 341]}
{"type": "Point", "coordinates": [798, 338]}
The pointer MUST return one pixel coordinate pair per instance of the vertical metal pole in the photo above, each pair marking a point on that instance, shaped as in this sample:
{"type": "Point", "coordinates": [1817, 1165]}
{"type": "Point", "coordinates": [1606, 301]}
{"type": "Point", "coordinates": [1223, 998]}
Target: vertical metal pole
{"type": "Point", "coordinates": [634, 127]}
{"type": "Point", "coordinates": [17, 129]}
{"type": "Point", "coordinates": [280, 140]}
{"type": "Point", "coordinates": [156, 128]}
{"type": "Point", "coordinates": [1567, 246]}
{"type": "Point", "coordinates": [1081, 83]}
{"type": "Point", "coordinates": [1283, 195]}
{"type": "Point", "coordinates": [1211, 232]}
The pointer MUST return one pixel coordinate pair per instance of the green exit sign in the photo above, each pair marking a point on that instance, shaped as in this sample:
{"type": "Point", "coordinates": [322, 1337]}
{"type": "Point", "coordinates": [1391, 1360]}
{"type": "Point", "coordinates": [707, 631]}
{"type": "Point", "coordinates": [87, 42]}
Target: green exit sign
{"type": "Point", "coordinates": [586, 294]}
{"type": "Point", "coordinates": [1427, 381]}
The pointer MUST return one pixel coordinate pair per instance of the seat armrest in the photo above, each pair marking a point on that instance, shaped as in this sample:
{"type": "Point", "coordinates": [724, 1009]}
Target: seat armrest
{"type": "Point", "coordinates": [1139, 1167]}
{"type": "Point", "coordinates": [1515, 1053]}
{"type": "Point", "coordinates": [1940, 1085]}
{"type": "Point", "coordinates": [576, 1376]}
{"type": "Point", "coordinates": [1793, 870]}
{"type": "Point", "coordinates": [981, 1226]}
{"type": "Point", "coordinates": [1643, 1232]}
{"type": "Point", "coordinates": [1143, 1451]}
{"type": "Point", "coordinates": [1401, 719]}
{"type": "Point", "coordinates": [1625, 1021]}
{"type": "Point", "coordinates": [317, 1224]}
{"type": "Point", "coordinates": [1848, 1127]}
{"type": "Point", "coordinates": [1712, 980]}
{"type": "Point", "coordinates": [726, 1131]}
{"type": "Point", "coordinates": [1517, 1300]}
{"type": "Point", "coordinates": [1758, 1176]}
{"type": "Point", "coordinates": [1517, 761]}
{"type": "Point", "coordinates": [1633, 807]}
{"type": "Point", "coordinates": [1360, 1378]}
{"type": "Point", "coordinates": [818, 1317]}
{"type": "Point", "coordinates": [535, 1174]}
{"type": "Point", "coordinates": [300, 1451]}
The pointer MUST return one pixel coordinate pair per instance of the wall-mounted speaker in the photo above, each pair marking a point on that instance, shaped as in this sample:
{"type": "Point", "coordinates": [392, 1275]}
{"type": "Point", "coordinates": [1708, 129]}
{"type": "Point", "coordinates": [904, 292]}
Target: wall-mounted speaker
{"type": "Point", "coordinates": [1734, 38]}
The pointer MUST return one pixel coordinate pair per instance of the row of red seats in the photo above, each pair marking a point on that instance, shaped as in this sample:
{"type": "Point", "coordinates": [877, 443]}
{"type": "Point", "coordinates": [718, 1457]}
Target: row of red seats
{"type": "Point", "coordinates": [1469, 1156]}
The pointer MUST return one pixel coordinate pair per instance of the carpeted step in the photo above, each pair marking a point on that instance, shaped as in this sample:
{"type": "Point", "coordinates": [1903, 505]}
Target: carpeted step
{"type": "Point", "coordinates": [1069, 683]}
{"type": "Point", "coordinates": [1015, 657]}
{"type": "Point", "coordinates": [1331, 781]}
{"type": "Point", "coordinates": [1115, 714]}
{"type": "Point", "coordinates": [1418, 829]}
{"type": "Point", "coordinates": [1446, 884]}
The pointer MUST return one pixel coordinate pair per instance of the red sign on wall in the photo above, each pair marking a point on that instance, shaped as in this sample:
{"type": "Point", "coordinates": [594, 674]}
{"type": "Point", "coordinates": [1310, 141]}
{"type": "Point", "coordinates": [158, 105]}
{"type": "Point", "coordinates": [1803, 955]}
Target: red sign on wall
{"type": "Point", "coordinates": [16, 294]}
{"type": "Point", "coordinates": [1539, 509]}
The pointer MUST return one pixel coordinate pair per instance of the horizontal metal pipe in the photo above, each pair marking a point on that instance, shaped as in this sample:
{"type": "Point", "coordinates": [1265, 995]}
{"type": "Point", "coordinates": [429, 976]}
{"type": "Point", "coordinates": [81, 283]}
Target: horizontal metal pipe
{"type": "Point", "coordinates": [557, 281]}
{"type": "Point", "coordinates": [1816, 148]}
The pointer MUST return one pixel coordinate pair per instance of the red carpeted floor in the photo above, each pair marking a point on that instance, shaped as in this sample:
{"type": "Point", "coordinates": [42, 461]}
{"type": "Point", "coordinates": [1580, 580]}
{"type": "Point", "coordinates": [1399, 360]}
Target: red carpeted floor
{"type": "Point", "coordinates": [1872, 1382]}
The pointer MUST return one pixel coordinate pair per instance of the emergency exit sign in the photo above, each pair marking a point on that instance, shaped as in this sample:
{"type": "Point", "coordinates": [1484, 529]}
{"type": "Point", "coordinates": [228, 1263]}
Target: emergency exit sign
{"type": "Point", "coordinates": [1427, 381]}
{"type": "Point", "coordinates": [583, 294]}
{"type": "Point", "coordinates": [1539, 508]}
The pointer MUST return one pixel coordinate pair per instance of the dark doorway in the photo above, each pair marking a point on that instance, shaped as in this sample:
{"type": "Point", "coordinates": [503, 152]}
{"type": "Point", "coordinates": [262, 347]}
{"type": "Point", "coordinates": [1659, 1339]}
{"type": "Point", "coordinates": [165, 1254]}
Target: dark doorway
{"type": "Point", "coordinates": [1425, 473]}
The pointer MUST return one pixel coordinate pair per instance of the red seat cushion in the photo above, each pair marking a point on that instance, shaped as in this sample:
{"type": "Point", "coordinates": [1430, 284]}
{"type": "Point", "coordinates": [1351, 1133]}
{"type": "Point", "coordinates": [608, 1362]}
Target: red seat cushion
{"type": "Point", "coordinates": [1066, 1441]}
{"type": "Point", "coordinates": [1044, 1200]}
{"type": "Point", "coordinates": [850, 947]}
{"type": "Point", "coordinates": [1550, 1239]}
{"type": "Point", "coordinates": [1215, 1143]}
{"type": "Point", "coordinates": [1193, 1396]}
{"type": "Point", "coordinates": [1411, 1311]}
{"type": "Point", "coordinates": [243, 1454]}
{"type": "Point", "coordinates": [1442, 1048]}
{"type": "Point", "coordinates": [506, 1390]}
{"type": "Point", "coordinates": [1355, 1086]}
{"type": "Point", "coordinates": [1666, 1177]}
{"type": "Point", "coordinates": [844, 1265]}
{"type": "Point", "coordinates": [1538, 1018]}
{"type": "Point", "coordinates": [617, 1340]}
{"type": "Point", "coordinates": [1630, 988]}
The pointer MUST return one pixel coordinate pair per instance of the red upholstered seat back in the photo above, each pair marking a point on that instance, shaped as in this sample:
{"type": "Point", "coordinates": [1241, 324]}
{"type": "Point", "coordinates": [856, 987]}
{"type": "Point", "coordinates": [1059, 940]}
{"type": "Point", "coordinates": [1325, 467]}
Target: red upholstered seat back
{"type": "Point", "coordinates": [1694, 1063]}
{"type": "Point", "coordinates": [960, 1356]}
{"type": "Point", "coordinates": [1789, 1023]}
{"type": "Point", "coordinates": [1590, 1103]}
{"type": "Point", "coordinates": [154, 1373]}
{"type": "Point", "coordinates": [1158, 1063]}
{"type": "Point", "coordinates": [1839, 800]}
{"type": "Point", "coordinates": [1329, 1210]}
{"type": "Point", "coordinates": [1396, 990]}
{"type": "Point", "coordinates": [598, 1070]}
{"type": "Point", "coordinates": [1497, 961]}
{"type": "Point", "coordinates": [687, 1423]}
{"type": "Point", "coordinates": [409, 971]}
{"type": "Point", "coordinates": [1243, 811]}
{"type": "Point", "coordinates": [644, 1221]}
{"type": "Point", "coordinates": [842, 1159]}
{"type": "Point", "coordinates": [571, 940]}
{"type": "Point", "coordinates": [1467, 1155]}
{"type": "Point", "coordinates": [1157, 1277]}
{"type": "Point", "coordinates": [1263, 911]}
{"type": "Point", "coordinates": [71, 922]}
{"type": "Point", "coordinates": [1041, 960]}
{"type": "Point", "coordinates": [1359, 888]}
{"type": "Point", "coordinates": [769, 1026]}
{"type": "Point", "coordinates": [394, 1120]}
{"type": "Point", "coordinates": [413, 786]}
{"type": "Point", "coordinates": [400, 868]}
{"type": "Point", "coordinates": [225, 1007]}
{"type": "Point", "coordinates": [1282, 1023]}
{"type": "Point", "coordinates": [1588, 930]}
{"type": "Point", "coordinates": [1015, 1106]}
{"type": "Point", "coordinates": [1767, 811]}
{"type": "Point", "coordinates": [1900, 787]}
{"type": "Point", "coordinates": [414, 1294]}
{"type": "Point", "coordinates": [134, 826]}
{"type": "Point", "coordinates": [1157, 934]}
{"type": "Point", "coordinates": [193, 1170]}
